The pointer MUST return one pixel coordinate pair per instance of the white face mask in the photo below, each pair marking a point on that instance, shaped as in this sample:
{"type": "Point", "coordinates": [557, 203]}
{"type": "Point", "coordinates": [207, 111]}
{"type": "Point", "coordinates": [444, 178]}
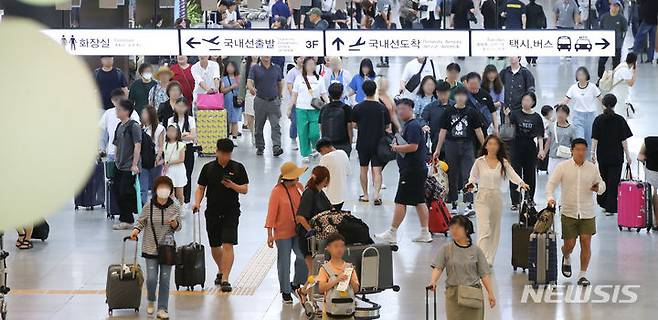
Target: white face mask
{"type": "Point", "coordinates": [163, 193]}
{"type": "Point", "coordinates": [147, 75]}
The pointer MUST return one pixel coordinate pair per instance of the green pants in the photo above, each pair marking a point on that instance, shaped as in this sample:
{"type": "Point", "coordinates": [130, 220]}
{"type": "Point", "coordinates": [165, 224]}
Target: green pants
{"type": "Point", "coordinates": [308, 130]}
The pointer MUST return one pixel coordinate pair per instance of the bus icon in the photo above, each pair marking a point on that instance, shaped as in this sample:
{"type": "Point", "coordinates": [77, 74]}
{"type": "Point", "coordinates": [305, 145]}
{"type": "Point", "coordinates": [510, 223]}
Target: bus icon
{"type": "Point", "coordinates": [564, 43]}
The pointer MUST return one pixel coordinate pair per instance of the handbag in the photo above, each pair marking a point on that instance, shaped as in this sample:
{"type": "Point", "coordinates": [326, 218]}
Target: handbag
{"type": "Point", "coordinates": [210, 101]}
{"type": "Point", "coordinates": [316, 103]}
{"type": "Point", "coordinates": [562, 151]}
{"type": "Point", "coordinates": [299, 229]}
{"type": "Point", "coordinates": [167, 251]}
{"type": "Point", "coordinates": [237, 102]}
{"type": "Point", "coordinates": [545, 220]}
{"type": "Point", "coordinates": [507, 131]}
{"type": "Point", "coordinates": [384, 152]}
{"type": "Point", "coordinates": [470, 297]}
{"type": "Point", "coordinates": [414, 81]}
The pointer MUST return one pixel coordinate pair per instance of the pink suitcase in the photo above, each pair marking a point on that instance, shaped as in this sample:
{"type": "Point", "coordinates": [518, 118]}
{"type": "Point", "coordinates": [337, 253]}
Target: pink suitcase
{"type": "Point", "coordinates": [634, 204]}
{"type": "Point", "coordinates": [207, 101]}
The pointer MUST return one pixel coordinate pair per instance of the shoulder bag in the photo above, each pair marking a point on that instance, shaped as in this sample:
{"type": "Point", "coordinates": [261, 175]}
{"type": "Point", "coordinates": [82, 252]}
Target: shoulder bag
{"type": "Point", "coordinates": [316, 103]}
{"type": "Point", "coordinates": [414, 81]}
{"type": "Point", "coordinates": [299, 229]}
{"type": "Point", "coordinates": [562, 151]}
{"type": "Point", "coordinates": [167, 251]}
{"type": "Point", "coordinates": [237, 102]}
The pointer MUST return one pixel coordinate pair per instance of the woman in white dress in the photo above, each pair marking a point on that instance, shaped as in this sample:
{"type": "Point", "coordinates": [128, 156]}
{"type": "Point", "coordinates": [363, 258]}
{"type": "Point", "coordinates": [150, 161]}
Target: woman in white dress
{"type": "Point", "coordinates": [174, 161]}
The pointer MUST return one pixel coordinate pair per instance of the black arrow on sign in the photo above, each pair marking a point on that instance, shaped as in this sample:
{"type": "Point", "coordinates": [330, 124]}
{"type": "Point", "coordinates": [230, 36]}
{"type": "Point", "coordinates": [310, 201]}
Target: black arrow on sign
{"type": "Point", "coordinates": [603, 44]}
{"type": "Point", "coordinates": [191, 43]}
{"type": "Point", "coordinates": [338, 42]}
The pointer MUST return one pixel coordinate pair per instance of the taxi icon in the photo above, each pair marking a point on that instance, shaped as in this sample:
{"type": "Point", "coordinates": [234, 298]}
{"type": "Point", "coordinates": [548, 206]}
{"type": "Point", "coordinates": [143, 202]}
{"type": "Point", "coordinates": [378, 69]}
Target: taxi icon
{"type": "Point", "coordinates": [564, 43]}
{"type": "Point", "coordinates": [583, 44]}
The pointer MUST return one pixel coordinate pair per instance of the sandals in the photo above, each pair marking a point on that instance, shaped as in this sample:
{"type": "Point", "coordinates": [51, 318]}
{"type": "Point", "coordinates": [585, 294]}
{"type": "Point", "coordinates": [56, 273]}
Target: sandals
{"type": "Point", "coordinates": [362, 198]}
{"type": "Point", "coordinates": [226, 287]}
{"type": "Point", "coordinates": [566, 269]}
{"type": "Point", "coordinates": [378, 202]}
{"type": "Point", "coordinates": [583, 282]}
{"type": "Point", "coordinates": [22, 243]}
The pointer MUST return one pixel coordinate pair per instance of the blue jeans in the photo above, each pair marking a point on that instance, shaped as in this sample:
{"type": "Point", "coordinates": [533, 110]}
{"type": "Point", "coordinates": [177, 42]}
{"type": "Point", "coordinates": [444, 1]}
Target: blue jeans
{"type": "Point", "coordinates": [293, 123]}
{"type": "Point", "coordinates": [642, 35]}
{"type": "Point", "coordinates": [155, 273]}
{"type": "Point", "coordinates": [146, 177]}
{"type": "Point", "coordinates": [583, 122]}
{"type": "Point", "coordinates": [283, 247]}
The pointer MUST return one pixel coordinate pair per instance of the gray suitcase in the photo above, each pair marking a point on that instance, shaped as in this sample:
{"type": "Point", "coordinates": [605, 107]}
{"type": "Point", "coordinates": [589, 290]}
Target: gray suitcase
{"type": "Point", "coordinates": [124, 283]}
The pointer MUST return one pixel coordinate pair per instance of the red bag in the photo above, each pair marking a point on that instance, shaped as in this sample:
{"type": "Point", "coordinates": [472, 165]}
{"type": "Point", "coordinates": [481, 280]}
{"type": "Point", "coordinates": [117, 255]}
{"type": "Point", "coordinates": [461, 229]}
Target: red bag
{"type": "Point", "coordinates": [439, 217]}
{"type": "Point", "coordinates": [210, 101]}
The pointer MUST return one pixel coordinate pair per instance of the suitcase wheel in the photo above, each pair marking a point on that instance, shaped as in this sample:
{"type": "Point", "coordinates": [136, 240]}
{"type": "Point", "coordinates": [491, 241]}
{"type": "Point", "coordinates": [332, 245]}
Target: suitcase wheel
{"type": "Point", "coordinates": [514, 269]}
{"type": "Point", "coordinates": [90, 208]}
{"type": "Point", "coordinates": [177, 288]}
{"type": "Point", "coordinates": [137, 310]}
{"type": "Point", "coordinates": [445, 234]}
{"type": "Point", "coordinates": [103, 206]}
{"type": "Point", "coordinates": [75, 208]}
{"type": "Point", "coordinates": [629, 228]}
{"type": "Point", "coordinates": [648, 229]}
{"type": "Point", "coordinates": [637, 230]}
{"type": "Point", "coordinates": [109, 311]}
{"type": "Point", "coordinates": [396, 288]}
{"type": "Point", "coordinates": [524, 270]}
{"type": "Point", "coordinates": [620, 228]}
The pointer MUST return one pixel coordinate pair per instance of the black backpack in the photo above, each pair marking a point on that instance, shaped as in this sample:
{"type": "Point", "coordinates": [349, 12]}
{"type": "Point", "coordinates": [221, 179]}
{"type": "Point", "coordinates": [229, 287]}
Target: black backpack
{"type": "Point", "coordinates": [147, 153]}
{"type": "Point", "coordinates": [333, 126]}
{"type": "Point", "coordinates": [354, 230]}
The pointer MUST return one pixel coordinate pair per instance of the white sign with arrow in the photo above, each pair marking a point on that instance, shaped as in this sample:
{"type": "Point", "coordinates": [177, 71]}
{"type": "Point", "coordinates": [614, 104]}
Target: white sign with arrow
{"type": "Point", "coordinates": [546, 43]}
{"type": "Point", "coordinates": [396, 43]}
{"type": "Point", "coordinates": [233, 42]}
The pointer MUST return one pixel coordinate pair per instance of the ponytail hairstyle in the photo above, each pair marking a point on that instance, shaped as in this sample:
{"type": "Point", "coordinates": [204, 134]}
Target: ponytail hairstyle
{"type": "Point", "coordinates": [609, 101]}
{"type": "Point", "coordinates": [318, 175]}
{"type": "Point", "coordinates": [465, 223]}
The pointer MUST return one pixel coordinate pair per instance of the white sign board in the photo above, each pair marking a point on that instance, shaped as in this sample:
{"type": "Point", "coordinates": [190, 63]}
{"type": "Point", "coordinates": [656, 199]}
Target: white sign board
{"type": "Point", "coordinates": [397, 43]}
{"type": "Point", "coordinates": [254, 42]}
{"type": "Point", "coordinates": [547, 43]}
{"type": "Point", "coordinates": [116, 42]}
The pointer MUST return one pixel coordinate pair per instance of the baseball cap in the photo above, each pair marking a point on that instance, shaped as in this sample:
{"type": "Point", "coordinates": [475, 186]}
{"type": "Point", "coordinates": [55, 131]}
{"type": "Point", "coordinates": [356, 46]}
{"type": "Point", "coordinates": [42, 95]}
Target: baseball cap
{"type": "Point", "coordinates": [314, 11]}
{"type": "Point", "coordinates": [617, 2]}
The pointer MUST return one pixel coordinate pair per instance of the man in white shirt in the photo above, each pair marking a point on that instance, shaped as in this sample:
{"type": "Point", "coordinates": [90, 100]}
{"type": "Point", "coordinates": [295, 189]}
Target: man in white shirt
{"type": "Point", "coordinates": [339, 168]}
{"type": "Point", "coordinates": [413, 67]}
{"type": "Point", "coordinates": [578, 179]}
{"type": "Point", "coordinates": [109, 122]}
{"type": "Point", "coordinates": [206, 76]}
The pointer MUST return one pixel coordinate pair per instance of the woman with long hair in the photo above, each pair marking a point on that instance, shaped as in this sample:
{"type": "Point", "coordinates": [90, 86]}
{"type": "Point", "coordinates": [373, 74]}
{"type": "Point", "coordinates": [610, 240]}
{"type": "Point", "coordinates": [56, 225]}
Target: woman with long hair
{"type": "Point", "coordinates": [156, 131]}
{"type": "Point", "coordinates": [610, 133]}
{"type": "Point", "coordinates": [466, 268]}
{"type": "Point", "coordinates": [366, 72]}
{"type": "Point", "coordinates": [492, 84]}
{"type": "Point", "coordinates": [426, 94]}
{"type": "Point", "coordinates": [384, 98]}
{"type": "Point", "coordinates": [525, 151]}
{"type": "Point", "coordinates": [187, 127]}
{"type": "Point", "coordinates": [308, 96]}
{"type": "Point", "coordinates": [166, 109]}
{"type": "Point", "coordinates": [280, 224]}
{"type": "Point", "coordinates": [229, 86]}
{"type": "Point", "coordinates": [488, 173]}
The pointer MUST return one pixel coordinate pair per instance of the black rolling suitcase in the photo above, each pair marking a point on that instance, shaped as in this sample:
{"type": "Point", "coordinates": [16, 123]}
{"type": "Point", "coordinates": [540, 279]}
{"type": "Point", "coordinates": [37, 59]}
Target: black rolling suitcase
{"type": "Point", "coordinates": [521, 235]}
{"type": "Point", "coordinates": [374, 265]}
{"type": "Point", "coordinates": [124, 283]}
{"type": "Point", "coordinates": [191, 268]}
{"type": "Point", "coordinates": [93, 193]}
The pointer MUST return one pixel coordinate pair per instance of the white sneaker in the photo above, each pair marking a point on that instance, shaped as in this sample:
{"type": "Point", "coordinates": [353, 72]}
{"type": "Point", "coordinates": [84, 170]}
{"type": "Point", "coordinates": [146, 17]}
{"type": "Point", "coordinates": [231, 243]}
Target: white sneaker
{"type": "Point", "coordinates": [293, 145]}
{"type": "Point", "coordinates": [122, 226]}
{"type": "Point", "coordinates": [388, 236]}
{"type": "Point", "coordinates": [150, 308]}
{"type": "Point", "coordinates": [315, 154]}
{"type": "Point", "coordinates": [423, 237]}
{"type": "Point", "coordinates": [306, 160]}
{"type": "Point", "coordinates": [162, 314]}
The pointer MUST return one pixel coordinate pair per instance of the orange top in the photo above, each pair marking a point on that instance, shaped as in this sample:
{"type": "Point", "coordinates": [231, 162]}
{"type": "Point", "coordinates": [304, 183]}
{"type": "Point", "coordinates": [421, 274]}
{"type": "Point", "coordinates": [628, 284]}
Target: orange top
{"type": "Point", "coordinates": [280, 214]}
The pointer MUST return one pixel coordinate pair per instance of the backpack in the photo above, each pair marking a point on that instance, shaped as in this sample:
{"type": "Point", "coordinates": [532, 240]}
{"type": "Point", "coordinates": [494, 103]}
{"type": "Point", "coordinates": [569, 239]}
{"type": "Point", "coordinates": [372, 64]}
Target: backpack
{"type": "Point", "coordinates": [354, 230]}
{"type": "Point", "coordinates": [147, 153]}
{"type": "Point", "coordinates": [326, 223]}
{"type": "Point", "coordinates": [333, 126]}
{"type": "Point", "coordinates": [487, 117]}
{"type": "Point", "coordinates": [339, 303]}
{"type": "Point", "coordinates": [606, 83]}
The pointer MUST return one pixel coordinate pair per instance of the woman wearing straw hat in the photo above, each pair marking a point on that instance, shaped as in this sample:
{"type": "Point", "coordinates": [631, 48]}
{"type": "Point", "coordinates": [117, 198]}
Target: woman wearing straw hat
{"type": "Point", "coordinates": [280, 223]}
{"type": "Point", "coordinates": [158, 94]}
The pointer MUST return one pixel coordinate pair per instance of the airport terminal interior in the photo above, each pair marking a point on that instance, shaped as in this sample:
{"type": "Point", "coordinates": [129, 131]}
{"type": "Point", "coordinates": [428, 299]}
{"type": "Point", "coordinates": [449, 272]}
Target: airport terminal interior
{"type": "Point", "coordinates": [64, 277]}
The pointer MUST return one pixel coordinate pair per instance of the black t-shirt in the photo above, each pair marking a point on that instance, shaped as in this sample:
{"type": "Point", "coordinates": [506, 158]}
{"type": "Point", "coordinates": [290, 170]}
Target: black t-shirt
{"type": "Point", "coordinates": [460, 9]}
{"type": "Point", "coordinates": [333, 120]}
{"type": "Point", "coordinates": [484, 104]}
{"type": "Point", "coordinates": [222, 200]}
{"type": "Point", "coordinates": [528, 127]}
{"type": "Point", "coordinates": [651, 152]}
{"type": "Point", "coordinates": [108, 81]}
{"type": "Point", "coordinates": [610, 130]}
{"type": "Point", "coordinates": [412, 133]}
{"type": "Point", "coordinates": [461, 123]}
{"type": "Point", "coordinates": [371, 118]}
{"type": "Point", "coordinates": [312, 203]}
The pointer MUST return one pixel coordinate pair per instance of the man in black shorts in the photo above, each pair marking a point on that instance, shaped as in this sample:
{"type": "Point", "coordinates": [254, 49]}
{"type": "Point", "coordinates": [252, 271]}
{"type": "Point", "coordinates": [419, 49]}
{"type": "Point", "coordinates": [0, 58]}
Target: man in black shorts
{"type": "Point", "coordinates": [412, 150]}
{"type": "Point", "coordinates": [371, 119]}
{"type": "Point", "coordinates": [222, 181]}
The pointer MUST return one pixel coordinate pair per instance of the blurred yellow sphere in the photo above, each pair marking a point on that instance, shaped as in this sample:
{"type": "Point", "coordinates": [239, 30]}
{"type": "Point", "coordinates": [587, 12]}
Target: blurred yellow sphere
{"type": "Point", "coordinates": [50, 109]}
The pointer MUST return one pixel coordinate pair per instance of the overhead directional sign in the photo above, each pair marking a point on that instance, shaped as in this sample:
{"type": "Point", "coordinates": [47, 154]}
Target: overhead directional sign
{"type": "Point", "coordinates": [116, 42]}
{"type": "Point", "coordinates": [396, 43]}
{"type": "Point", "coordinates": [252, 42]}
{"type": "Point", "coordinates": [584, 43]}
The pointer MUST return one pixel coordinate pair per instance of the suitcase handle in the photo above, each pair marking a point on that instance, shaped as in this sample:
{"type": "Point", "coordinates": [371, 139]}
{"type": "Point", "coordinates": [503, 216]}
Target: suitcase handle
{"type": "Point", "coordinates": [123, 253]}
{"type": "Point", "coordinates": [196, 228]}
{"type": "Point", "coordinates": [427, 303]}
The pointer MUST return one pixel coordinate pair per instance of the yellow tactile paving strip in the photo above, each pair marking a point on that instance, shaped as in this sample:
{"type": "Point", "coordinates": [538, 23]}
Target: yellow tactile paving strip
{"type": "Point", "coordinates": [246, 285]}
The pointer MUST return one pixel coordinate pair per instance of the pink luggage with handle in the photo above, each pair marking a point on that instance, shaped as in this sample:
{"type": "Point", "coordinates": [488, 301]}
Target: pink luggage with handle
{"type": "Point", "coordinates": [634, 203]}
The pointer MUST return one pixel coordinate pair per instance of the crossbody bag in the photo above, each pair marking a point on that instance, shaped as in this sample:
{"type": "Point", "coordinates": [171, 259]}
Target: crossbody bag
{"type": "Point", "coordinates": [166, 252]}
{"type": "Point", "coordinates": [562, 151]}
{"type": "Point", "coordinates": [316, 103]}
{"type": "Point", "coordinates": [237, 102]}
